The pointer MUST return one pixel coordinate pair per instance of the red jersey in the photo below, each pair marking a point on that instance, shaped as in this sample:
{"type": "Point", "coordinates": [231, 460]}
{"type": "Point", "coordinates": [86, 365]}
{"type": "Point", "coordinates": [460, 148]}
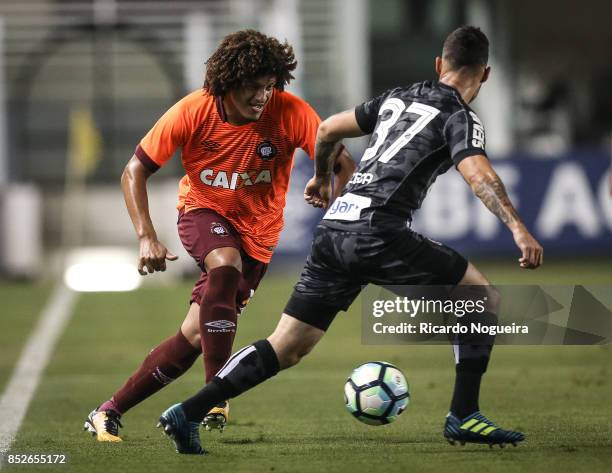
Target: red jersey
{"type": "Point", "coordinates": [241, 172]}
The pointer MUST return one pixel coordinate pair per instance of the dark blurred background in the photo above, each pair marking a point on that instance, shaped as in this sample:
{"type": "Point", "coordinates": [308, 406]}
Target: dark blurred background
{"type": "Point", "coordinates": [82, 81]}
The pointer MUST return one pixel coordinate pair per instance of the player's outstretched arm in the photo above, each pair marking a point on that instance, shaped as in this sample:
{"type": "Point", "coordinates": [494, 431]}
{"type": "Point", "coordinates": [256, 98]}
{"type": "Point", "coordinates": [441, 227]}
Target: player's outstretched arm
{"type": "Point", "coordinates": [153, 254]}
{"type": "Point", "coordinates": [327, 148]}
{"type": "Point", "coordinates": [488, 187]}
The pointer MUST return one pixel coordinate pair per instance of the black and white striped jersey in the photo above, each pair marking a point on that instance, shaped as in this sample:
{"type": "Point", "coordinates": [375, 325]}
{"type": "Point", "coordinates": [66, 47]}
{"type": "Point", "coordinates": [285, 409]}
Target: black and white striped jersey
{"type": "Point", "coordinates": [418, 133]}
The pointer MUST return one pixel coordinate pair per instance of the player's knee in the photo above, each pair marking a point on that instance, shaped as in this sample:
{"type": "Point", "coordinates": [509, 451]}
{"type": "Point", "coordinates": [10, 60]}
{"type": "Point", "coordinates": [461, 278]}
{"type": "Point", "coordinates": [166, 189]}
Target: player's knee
{"type": "Point", "coordinates": [287, 360]}
{"type": "Point", "coordinates": [228, 262]}
{"type": "Point", "coordinates": [223, 257]}
{"type": "Point", "coordinates": [191, 334]}
{"type": "Point", "coordinates": [195, 339]}
{"type": "Point", "coordinates": [291, 356]}
{"type": "Point", "coordinates": [220, 291]}
{"type": "Point", "coordinates": [302, 351]}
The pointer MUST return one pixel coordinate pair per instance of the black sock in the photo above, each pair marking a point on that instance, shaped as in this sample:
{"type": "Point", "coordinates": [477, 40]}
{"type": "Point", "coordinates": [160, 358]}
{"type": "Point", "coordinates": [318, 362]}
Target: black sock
{"type": "Point", "coordinates": [246, 369]}
{"type": "Point", "coordinates": [465, 395]}
{"type": "Point", "coordinates": [472, 353]}
{"type": "Point", "coordinates": [467, 386]}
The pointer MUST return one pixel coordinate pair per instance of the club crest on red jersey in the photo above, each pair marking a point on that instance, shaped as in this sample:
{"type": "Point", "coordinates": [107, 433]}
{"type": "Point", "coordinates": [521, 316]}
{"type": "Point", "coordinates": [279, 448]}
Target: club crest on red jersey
{"type": "Point", "coordinates": [266, 150]}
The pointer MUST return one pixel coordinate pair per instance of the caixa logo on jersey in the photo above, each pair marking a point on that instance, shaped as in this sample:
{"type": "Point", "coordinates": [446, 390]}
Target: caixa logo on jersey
{"type": "Point", "coordinates": [235, 180]}
{"type": "Point", "coordinates": [266, 150]}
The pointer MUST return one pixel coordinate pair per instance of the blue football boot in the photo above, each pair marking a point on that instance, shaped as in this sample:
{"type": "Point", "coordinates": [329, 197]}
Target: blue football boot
{"type": "Point", "coordinates": [184, 433]}
{"type": "Point", "coordinates": [476, 428]}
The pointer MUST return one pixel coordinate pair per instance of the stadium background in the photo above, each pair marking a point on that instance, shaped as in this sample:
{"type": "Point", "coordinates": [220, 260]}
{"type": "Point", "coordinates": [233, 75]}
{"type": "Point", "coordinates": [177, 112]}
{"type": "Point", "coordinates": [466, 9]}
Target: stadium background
{"type": "Point", "coordinates": [82, 81]}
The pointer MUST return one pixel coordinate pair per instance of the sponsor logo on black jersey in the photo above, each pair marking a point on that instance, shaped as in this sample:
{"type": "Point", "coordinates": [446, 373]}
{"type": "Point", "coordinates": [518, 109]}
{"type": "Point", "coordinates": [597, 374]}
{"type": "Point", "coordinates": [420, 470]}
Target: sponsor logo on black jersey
{"type": "Point", "coordinates": [362, 178]}
{"type": "Point", "coordinates": [478, 133]}
{"type": "Point", "coordinates": [218, 229]}
{"type": "Point", "coordinates": [266, 150]}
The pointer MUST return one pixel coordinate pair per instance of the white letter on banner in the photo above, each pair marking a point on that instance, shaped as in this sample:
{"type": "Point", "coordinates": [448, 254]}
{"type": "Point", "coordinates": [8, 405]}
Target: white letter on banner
{"type": "Point", "coordinates": [605, 200]}
{"type": "Point", "coordinates": [568, 201]}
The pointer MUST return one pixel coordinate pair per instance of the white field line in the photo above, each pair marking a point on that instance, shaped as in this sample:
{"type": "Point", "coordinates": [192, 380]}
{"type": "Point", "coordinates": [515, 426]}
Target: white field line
{"type": "Point", "coordinates": [31, 365]}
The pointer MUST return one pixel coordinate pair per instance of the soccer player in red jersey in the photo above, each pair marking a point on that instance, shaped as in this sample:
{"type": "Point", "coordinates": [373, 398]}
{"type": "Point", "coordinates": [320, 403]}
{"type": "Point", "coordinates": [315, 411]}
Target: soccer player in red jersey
{"type": "Point", "coordinates": [417, 132]}
{"type": "Point", "coordinates": [237, 137]}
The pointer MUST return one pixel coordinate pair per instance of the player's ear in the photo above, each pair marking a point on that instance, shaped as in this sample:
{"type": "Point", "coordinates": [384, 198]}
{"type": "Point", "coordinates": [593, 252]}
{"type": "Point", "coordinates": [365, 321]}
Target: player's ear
{"type": "Point", "coordinates": [485, 74]}
{"type": "Point", "coordinates": [438, 65]}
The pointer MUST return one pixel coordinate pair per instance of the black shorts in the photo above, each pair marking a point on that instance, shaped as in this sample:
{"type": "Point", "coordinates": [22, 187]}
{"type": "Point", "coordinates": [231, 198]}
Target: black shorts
{"type": "Point", "coordinates": [342, 262]}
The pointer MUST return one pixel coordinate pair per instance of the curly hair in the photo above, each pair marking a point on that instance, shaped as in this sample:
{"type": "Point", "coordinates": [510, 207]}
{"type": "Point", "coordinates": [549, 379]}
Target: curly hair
{"type": "Point", "coordinates": [244, 56]}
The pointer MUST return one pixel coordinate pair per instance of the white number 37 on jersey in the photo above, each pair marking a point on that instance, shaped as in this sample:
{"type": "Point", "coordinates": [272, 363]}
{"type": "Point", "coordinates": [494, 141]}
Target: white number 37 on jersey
{"type": "Point", "coordinates": [397, 107]}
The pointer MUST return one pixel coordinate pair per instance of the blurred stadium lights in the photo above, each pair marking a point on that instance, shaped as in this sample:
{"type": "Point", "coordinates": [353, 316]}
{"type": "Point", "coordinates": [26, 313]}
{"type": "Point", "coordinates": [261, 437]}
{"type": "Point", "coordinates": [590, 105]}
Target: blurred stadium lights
{"type": "Point", "coordinates": [118, 65]}
{"type": "Point", "coordinates": [101, 269]}
{"type": "Point", "coordinates": [124, 62]}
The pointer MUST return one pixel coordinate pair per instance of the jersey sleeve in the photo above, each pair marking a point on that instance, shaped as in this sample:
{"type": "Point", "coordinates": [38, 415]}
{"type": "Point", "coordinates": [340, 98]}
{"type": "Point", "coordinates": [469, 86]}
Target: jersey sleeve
{"type": "Point", "coordinates": [304, 123]}
{"type": "Point", "coordinates": [366, 114]}
{"type": "Point", "coordinates": [465, 135]}
{"type": "Point", "coordinates": [167, 135]}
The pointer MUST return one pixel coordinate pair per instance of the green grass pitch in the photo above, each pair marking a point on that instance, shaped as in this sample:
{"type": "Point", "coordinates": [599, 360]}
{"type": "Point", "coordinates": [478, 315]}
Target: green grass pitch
{"type": "Point", "coordinates": [560, 396]}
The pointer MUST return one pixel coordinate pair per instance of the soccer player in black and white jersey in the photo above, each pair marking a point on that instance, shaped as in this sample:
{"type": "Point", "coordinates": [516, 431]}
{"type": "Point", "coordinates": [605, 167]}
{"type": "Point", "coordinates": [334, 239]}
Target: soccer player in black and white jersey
{"type": "Point", "coordinates": [418, 132]}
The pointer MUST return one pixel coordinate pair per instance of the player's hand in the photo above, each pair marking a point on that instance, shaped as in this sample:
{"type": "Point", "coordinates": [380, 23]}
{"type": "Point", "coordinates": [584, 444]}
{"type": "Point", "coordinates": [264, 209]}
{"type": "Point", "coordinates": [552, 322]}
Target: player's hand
{"type": "Point", "coordinates": [153, 256]}
{"type": "Point", "coordinates": [318, 191]}
{"type": "Point", "coordinates": [532, 253]}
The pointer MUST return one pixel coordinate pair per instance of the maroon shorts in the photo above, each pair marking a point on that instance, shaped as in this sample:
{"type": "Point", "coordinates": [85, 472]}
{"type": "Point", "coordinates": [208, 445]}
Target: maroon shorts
{"type": "Point", "coordinates": [204, 230]}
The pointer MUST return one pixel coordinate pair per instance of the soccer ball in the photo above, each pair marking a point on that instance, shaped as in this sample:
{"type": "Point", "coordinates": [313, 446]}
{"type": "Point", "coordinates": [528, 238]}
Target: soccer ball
{"type": "Point", "coordinates": [376, 393]}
